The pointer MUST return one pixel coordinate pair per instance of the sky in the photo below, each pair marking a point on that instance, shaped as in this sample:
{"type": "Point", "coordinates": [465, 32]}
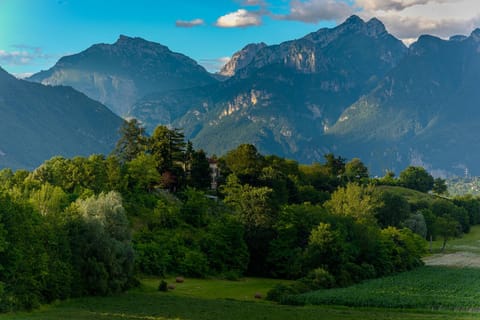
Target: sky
{"type": "Point", "coordinates": [34, 34]}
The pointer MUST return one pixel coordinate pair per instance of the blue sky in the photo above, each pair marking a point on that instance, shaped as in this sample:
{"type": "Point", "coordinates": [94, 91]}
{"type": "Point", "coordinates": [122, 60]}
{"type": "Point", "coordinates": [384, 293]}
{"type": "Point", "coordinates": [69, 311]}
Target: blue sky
{"type": "Point", "coordinates": [34, 34]}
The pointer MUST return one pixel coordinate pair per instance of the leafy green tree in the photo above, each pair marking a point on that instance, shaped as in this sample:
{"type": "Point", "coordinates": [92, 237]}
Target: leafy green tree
{"type": "Point", "coordinates": [246, 163]}
{"type": "Point", "coordinates": [446, 227]}
{"type": "Point", "coordinates": [199, 175]}
{"type": "Point", "coordinates": [394, 209]}
{"type": "Point", "coordinates": [355, 170]}
{"type": "Point", "coordinates": [49, 200]}
{"type": "Point", "coordinates": [101, 245]}
{"type": "Point", "coordinates": [168, 149]}
{"type": "Point", "coordinates": [356, 201]}
{"type": "Point", "coordinates": [292, 227]}
{"type": "Point", "coordinates": [335, 165]}
{"type": "Point", "coordinates": [471, 205]}
{"type": "Point", "coordinates": [416, 223]}
{"type": "Point", "coordinates": [142, 174]}
{"type": "Point", "coordinates": [416, 178]}
{"type": "Point", "coordinates": [132, 142]}
{"type": "Point", "coordinates": [325, 248]}
{"type": "Point", "coordinates": [252, 204]}
{"type": "Point", "coordinates": [439, 186]}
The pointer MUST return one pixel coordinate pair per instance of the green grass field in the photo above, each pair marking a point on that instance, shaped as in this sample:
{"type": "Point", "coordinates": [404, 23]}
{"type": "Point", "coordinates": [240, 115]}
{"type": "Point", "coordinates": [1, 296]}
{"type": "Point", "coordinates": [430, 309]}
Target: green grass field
{"type": "Point", "coordinates": [187, 302]}
{"type": "Point", "coordinates": [434, 292]}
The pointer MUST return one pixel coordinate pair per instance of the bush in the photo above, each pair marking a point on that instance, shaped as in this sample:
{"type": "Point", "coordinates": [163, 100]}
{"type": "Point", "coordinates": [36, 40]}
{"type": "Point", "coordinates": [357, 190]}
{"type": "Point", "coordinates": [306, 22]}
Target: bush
{"type": "Point", "coordinates": [319, 279]}
{"type": "Point", "coordinates": [163, 286]}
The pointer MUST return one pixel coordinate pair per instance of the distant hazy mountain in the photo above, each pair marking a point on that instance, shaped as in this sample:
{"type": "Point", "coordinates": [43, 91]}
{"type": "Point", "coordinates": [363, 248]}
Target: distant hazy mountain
{"type": "Point", "coordinates": [425, 111]}
{"type": "Point", "coordinates": [281, 97]}
{"type": "Point", "coordinates": [119, 74]}
{"type": "Point", "coordinates": [38, 122]}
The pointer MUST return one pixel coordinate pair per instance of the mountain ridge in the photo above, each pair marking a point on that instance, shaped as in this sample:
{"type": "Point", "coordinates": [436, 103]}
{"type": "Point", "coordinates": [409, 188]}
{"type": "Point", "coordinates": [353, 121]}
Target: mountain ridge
{"type": "Point", "coordinates": [119, 74]}
{"type": "Point", "coordinates": [38, 122]}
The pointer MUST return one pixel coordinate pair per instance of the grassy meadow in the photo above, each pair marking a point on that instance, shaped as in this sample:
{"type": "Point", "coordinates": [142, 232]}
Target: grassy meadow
{"type": "Point", "coordinates": [205, 300]}
{"type": "Point", "coordinates": [447, 288]}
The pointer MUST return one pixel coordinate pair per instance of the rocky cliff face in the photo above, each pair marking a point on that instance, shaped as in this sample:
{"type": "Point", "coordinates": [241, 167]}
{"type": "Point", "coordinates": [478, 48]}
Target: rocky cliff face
{"type": "Point", "coordinates": [241, 59]}
{"type": "Point", "coordinates": [119, 74]}
{"type": "Point", "coordinates": [425, 111]}
{"type": "Point", "coordinates": [282, 97]}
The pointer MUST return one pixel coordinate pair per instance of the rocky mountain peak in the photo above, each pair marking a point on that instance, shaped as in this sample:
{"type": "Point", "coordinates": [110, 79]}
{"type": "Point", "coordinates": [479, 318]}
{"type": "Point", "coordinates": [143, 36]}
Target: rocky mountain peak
{"type": "Point", "coordinates": [375, 27]}
{"type": "Point", "coordinates": [458, 37]}
{"type": "Point", "coordinates": [241, 59]}
{"type": "Point", "coordinates": [475, 35]}
{"type": "Point", "coordinates": [5, 76]}
{"type": "Point", "coordinates": [354, 20]}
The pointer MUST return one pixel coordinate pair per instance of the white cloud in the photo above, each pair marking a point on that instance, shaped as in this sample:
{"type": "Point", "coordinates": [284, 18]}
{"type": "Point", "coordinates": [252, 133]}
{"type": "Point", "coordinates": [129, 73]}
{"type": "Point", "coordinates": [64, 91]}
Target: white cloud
{"type": "Point", "coordinates": [408, 19]}
{"type": "Point", "coordinates": [240, 18]}
{"type": "Point", "coordinates": [189, 24]}
{"type": "Point", "coordinates": [405, 27]}
{"type": "Point", "coordinates": [23, 75]}
{"type": "Point", "coordinates": [313, 11]}
{"type": "Point", "coordinates": [396, 5]}
{"type": "Point", "coordinates": [260, 3]}
{"type": "Point", "coordinates": [23, 55]}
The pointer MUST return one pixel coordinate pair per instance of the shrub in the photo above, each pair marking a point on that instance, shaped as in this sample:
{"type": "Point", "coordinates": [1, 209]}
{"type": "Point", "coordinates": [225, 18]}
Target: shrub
{"type": "Point", "coordinates": [163, 286]}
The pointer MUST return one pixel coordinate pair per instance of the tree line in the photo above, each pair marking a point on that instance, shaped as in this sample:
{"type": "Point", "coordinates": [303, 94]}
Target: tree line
{"type": "Point", "coordinates": [89, 225]}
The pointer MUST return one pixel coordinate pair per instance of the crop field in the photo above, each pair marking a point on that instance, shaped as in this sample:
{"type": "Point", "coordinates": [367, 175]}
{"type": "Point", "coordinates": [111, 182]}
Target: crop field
{"type": "Point", "coordinates": [433, 288]}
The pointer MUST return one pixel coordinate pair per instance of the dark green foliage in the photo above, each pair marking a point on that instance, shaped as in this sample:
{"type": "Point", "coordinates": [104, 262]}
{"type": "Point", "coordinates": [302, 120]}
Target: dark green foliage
{"type": "Point", "coordinates": [163, 286]}
{"type": "Point", "coordinates": [416, 178]}
{"type": "Point", "coordinates": [439, 186]}
{"type": "Point", "coordinates": [393, 211]}
{"type": "Point", "coordinates": [355, 170]}
{"type": "Point", "coordinates": [245, 162]}
{"type": "Point", "coordinates": [66, 233]}
{"type": "Point", "coordinates": [132, 142]}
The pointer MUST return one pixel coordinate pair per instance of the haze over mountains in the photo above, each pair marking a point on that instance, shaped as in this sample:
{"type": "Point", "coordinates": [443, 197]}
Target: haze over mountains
{"type": "Point", "coordinates": [39, 122]}
{"type": "Point", "coordinates": [354, 90]}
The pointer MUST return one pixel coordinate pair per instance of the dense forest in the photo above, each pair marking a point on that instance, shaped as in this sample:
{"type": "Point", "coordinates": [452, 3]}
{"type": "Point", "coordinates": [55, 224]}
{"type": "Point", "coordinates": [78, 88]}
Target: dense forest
{"type": "Point", "coordinates": [90, 226]}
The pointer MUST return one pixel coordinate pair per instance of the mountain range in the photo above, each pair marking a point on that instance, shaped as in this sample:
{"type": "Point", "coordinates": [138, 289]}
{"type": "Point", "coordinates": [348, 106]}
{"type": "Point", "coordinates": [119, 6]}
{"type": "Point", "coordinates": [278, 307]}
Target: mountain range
{"type": "Point", "coordinates": [354, 90]}
{"type": "Point", "coordinates": [38, 122]}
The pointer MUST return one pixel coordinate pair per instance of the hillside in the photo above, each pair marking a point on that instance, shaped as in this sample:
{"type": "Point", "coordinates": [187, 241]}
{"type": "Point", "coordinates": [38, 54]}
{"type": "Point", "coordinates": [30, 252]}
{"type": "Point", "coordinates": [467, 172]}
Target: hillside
{"type": "Point", "coordinates": [38, 122]}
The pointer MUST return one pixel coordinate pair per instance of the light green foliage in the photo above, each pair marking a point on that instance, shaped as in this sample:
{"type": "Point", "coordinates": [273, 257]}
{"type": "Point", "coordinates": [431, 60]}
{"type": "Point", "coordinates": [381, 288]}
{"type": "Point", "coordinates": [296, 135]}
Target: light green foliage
{"type": "Point", "coordinates": [49, 200]}
{"type": "Point", "coordinates": [356, 201]}
{"type": "Point", "coordinates": [402, 249]}
{"type": "Point", "coordinates": [252, 204]}
{"type": "Point", "coordinates": [142, 173]}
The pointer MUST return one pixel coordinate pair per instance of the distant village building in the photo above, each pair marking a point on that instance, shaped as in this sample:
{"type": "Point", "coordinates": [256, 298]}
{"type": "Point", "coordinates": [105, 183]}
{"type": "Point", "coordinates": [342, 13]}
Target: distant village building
{"type": "Point", "coordinates": [214, 172]}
